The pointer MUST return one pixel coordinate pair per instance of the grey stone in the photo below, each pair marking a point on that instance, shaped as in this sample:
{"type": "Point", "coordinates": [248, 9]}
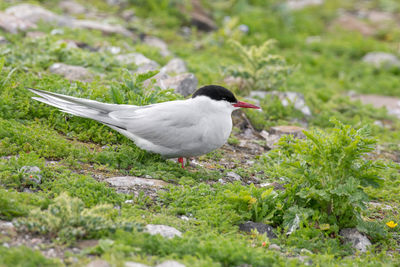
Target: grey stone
{"type": "Point", "coordinates": [184, 84]}
{"type": "Point", "coordinates": [277, 132]}
{"type": "Point", "coordinates": [243, 28]}
{"type": "Point", "coordinates": [175, 66]}
{"type": "Point", "coordinates": [135, 58]}
{"type": "Point", "coordinates": [128, 14]}
{"type": "Point", "coordinates": [32, 173]}
{"type": "Point", "coordinates": [158, 43]}
{"type": "Point", "coordinates": [102, 26]}
{"type": "Point", "coordinates": [131, 181]}
{"type": "Point", "coordinates": [3, 40]}
{"type": "Point", "coordinates": [147, 67]}
{"type": "Point", "coordinates": [134, 264]}
{"type": "Point", "coordinates": [274, 247]}
{"type": "Point", "coordinates": [35, 13]}
{"type": "Point", "coordinates": [200, 18]}
{"type": "Point", "coordinates": [300, 4]}
{"type": "Point", "coordinates": [116, 2]}
{"type": "Point", "coordinates": [286, 98]}
{"type": "Point", "coordinates": [234, 176]}
{"type": "Point", "coordinates": [98, 263]}
{"type": "Point", "coordinates": [163, 230]}
{"type": "Point", "coordinates": [392, 104]}
{"type": "Point", "coordinates": [170, 264]}
{"type": "Point", "coordinates": [352, 23]}
{"type": "Point", "coordinates": [73, 73]}
{"type": "Point", "coordinates": [381, 59]}
{"type": "Point", "coordinates": [260, 227]}
{"type": "Point", "coordinates": [313, 39]}
{"type": "Point", "coordinates": [72, 7]}
{"type": "Point", "coordinates": [13, 24]}
{"type": "Point", "coordinates": [357, 240]}
{"type": "Point", "coordinates": [296, 131]}
{"type": "Point", "coordinates": [35, 34]}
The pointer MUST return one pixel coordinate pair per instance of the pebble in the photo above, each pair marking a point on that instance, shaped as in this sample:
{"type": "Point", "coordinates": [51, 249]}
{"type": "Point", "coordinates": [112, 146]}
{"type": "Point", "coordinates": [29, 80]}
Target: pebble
{"type": "Point", "coordinates": [163, 230]}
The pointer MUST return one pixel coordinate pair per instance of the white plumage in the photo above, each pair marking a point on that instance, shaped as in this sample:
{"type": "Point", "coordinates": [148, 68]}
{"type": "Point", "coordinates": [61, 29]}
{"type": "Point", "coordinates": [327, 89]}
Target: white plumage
{"type": "Point", "coordinates": [181, 128]}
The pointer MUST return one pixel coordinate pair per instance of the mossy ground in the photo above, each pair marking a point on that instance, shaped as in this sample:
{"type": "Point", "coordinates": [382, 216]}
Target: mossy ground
{"type": "Point", "coordinates": [76, 154]}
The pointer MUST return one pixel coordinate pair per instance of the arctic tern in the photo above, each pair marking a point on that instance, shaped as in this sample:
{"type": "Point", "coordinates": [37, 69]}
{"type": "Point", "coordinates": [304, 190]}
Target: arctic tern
{"type": "Point", "coordinates": [174, 129]}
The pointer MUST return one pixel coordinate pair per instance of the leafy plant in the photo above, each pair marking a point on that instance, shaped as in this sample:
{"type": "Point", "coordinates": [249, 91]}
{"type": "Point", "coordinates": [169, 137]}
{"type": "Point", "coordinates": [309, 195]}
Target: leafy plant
{"type": "Point", "coordinates": [132, 91]}
{"type": "Point", "coordinates": [252, 203]}
{"type": "Point", "coordinates": [261, 69]}
{"type": "Point", "coordinates": [327, 173]}
{"type": "Point", "coordinates": [68, 219]}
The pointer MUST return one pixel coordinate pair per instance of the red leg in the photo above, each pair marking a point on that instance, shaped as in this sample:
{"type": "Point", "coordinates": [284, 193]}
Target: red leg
{"type": "Point", "coordinates": [180, 160]}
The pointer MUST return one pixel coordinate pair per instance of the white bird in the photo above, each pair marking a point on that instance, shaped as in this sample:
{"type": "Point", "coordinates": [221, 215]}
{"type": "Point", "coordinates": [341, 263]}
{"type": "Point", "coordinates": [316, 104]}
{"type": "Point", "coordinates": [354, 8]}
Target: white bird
{"type": "Point", "coordinates": [174, 129]}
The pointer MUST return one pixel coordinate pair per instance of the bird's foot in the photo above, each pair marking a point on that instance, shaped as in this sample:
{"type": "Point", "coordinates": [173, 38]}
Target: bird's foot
{"type": "Point", "coordinates": [180, 160]}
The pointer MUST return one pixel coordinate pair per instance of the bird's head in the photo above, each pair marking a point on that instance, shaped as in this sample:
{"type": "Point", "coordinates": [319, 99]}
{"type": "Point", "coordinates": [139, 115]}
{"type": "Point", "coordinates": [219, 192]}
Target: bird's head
{"type": "Point", "coordinates": [219, 93]}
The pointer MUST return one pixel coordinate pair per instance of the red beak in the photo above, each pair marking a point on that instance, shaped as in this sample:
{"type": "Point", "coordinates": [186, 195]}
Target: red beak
{"type": "Point", "coordinates": [241, 104]}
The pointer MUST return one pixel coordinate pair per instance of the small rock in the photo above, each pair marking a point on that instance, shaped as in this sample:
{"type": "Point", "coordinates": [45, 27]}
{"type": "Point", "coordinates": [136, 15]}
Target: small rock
{"type": "Point", "coordinates": [234, 176]}
{"type": "Point", "coordinates": [6, 227]}
{"type": "Point", "coordinates": [170, 264]}
{"type": "Point", "coordinates": [358, 240]}
{"type": "Point", "coordinates": [146, 68]}
{"type": "Point", "coordinates": [158, 43]}
{"type": "Point", "coordinates": [381, 59]}
{"type": "Point", "coordinates": [131, 181]}
{"type": "Point", "coordinates": [32, 173]}
{"type": "Point", "coordinates": [221, 181]}
{"type": "Point", "coordinates": [98, 263]}
{"type": "Point", "coordinates": [14, 24]}
{"type": "Point", "coordinates": [175, 66]}
{"type": "Point", "coordinates": [243, 28]}
{"type": "Point", "coordinates": [185, 218]}
{"type": "Point", "coordinates": [238, 82]}
{"type": "Point", "coordinates": [128, 14]}
{"type": "Point", "coordinates": [163, 230]}
{"type": "Point", "coordinates": [35, 34]}
{"type": "Point", "coordinates": [286, 98]}
{"type": "Point", "coordinates": [57, 31]}
{"type": "Point", "coordinates": [134, 264]}
{"type": "Point", "coordinates": [83, 244]}
{"type": "Point", "coordinates": [27, 190]}
{"type": "Point", "coordinates": [352, 23]}
{"type": "Point", "coordinates": [184, 84]}
{"type": "Point", "coordinates": [380, 17]}
{"type": "Point", "coordinates": [275, 185]}
{"type": "Point", "coordinates": [116, 2]}
{"type": "Point", "coordinates": [288, 129]}
{"type": "Point", "coordinates": [72, 7]}
{"type": "Point", "coordinates": [73, 73]}
{"type": "Point", "coordinates": [114, 49]}
{"type": "Point", "coordinates": [274, 247]}
{"type": "Point", "coordinates": [392, 104]}
{"type": "Point", "coordinates": [34, 13]}
{"type": "Point", "coordinates": [200, 18]}
{"type": "Point", "coordinates": [135, 58]}
{"type": "Point", "coordinates": [260, 227]}
{"type": "Point", "coordinates": [300, 4]}
{"type": "Point", "coordinates": [102, 26]}
{"type": "Point", "coordinates": [313, 39]}
{"type": "Point", "coordinates": [3, 40]}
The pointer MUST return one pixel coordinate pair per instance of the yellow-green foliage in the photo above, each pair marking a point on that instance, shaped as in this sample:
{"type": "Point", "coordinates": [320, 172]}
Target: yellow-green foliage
{"type": "Point", "coordinates": [261, 69]}
{"type": "Point", "coordinates": [68, 219]}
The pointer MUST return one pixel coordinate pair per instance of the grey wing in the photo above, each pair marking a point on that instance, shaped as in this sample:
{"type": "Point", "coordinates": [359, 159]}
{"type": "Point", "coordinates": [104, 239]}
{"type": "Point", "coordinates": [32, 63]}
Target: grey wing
{"type": "Point", "coordinates": [171, 124]}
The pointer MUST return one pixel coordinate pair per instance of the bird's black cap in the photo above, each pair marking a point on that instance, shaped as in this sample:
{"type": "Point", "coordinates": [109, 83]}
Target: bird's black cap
{"type": "Point", "coordinates": [216, 92]}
